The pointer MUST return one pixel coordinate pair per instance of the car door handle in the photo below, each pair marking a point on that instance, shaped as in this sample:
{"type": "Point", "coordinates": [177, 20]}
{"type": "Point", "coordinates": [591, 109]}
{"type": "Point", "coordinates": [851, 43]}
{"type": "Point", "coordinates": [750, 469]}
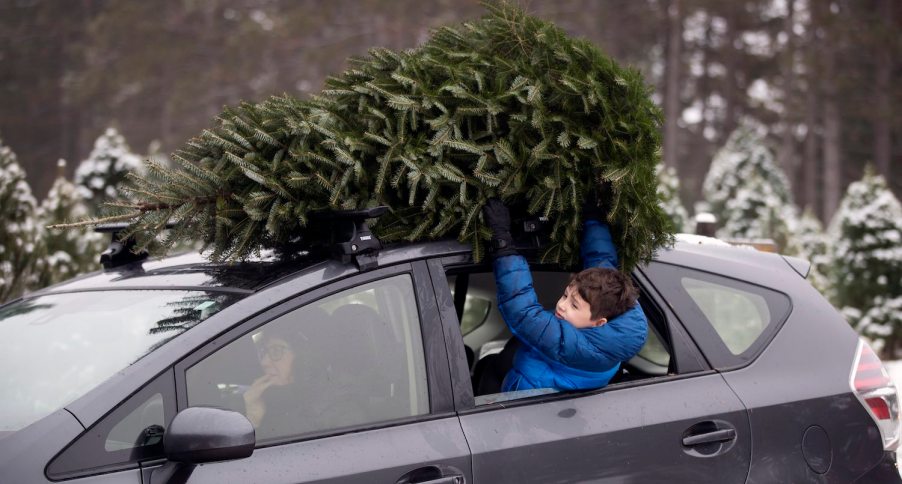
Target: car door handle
{"type": "Point", "coordinates": [710, 437]}
{"type": "Point", "coordinates": [444, 480]}
{"type": "Point", "coordinates": [434, 474]}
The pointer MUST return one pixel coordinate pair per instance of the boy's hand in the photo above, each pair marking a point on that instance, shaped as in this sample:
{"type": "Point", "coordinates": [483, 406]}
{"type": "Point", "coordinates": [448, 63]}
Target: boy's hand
{"type": "Point", "coordinates": [597, 204]}
{"type": "Point", "coordinates": [498, 218]}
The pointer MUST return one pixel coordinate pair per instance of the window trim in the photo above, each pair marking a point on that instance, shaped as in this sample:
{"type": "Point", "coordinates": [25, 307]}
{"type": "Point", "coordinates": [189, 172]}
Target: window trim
{"type": "Point", "coordinates": [700, 328]}
{"type": "Point", "coordinates": [84, 448]}
{"type": "Point", "coordinates": [437, 373]}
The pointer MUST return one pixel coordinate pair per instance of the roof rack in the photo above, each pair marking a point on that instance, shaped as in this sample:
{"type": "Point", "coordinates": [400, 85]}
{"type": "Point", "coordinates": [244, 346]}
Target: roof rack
{"type": "Point", "coordinates": [120, 253]}
{"type": "Point", "coordinates": [343, 233]}
{"type": "Point", "coordinates": [348, 235]}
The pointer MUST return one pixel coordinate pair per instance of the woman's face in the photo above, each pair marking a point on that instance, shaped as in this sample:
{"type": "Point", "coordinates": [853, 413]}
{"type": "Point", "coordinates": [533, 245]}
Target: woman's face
{"type": "Point", "coordinates": [277, 359]}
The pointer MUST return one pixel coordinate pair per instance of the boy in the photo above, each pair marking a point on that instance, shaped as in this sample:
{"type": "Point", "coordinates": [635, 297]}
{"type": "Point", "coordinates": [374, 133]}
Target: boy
{"type": "Point", "coordinates": [595, 325]}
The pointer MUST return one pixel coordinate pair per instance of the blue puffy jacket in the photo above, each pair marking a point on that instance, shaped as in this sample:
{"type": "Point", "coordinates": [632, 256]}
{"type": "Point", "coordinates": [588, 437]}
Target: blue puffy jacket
{"type": "Point", "coordinates": [555, 354]}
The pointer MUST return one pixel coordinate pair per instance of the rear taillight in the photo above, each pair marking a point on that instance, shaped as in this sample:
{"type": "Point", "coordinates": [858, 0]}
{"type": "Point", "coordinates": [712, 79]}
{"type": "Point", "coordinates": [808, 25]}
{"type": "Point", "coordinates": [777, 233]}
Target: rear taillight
{"type": "Point", "coordinates": [877, 392]}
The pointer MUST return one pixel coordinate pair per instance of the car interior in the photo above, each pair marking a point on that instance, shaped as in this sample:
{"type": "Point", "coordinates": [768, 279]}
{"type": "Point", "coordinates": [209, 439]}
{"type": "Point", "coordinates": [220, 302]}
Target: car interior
{"type": "Point", "coordinates": [490, 346]}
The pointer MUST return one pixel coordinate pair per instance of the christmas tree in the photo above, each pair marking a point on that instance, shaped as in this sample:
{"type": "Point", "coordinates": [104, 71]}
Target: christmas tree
{"type": "Point", "coordinates": [866, 268]}
{"type": "Point", "coordinates": [747, 192]}
{"type": "Point", "coordinates": [669, 192]}
{"type": "Point", "coordinates": [882, 324]}
{"type": "Point", "coordinates": [19, 234]}
{"type": "Point", "coordinates": [810, 242]}
{"type": "Point", "coordinates": [69, 253]}
{"type": "Point", "coordinates": [505, 106]}
{"type": "Point", "coordinates": [100, 175]}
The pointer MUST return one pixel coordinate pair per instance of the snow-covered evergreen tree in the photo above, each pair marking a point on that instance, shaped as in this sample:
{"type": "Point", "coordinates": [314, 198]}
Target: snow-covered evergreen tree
{"type": "Point", "coordinates": [866, 269]}
{"type": "Point", "coordinates": [100, 175]}
{"type": "Point", "coordinates": [811, 242]}
{"type": "Point", "coordinates": [747, 192]}
{"type": "Point", "coordinates": [19, 232]}
{"type": "Point", "coordinates": [669, 193]}
{"type": "Point", "coordinates": [882, 324]}
{"type": "Point", "coordinates": [69, 252]}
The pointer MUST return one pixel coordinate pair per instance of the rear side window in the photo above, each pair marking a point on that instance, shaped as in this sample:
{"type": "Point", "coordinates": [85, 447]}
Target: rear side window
{"type": "Point", "coordinates": [739, 317]}
{"type": "Point", "coordinates": [731, 320]}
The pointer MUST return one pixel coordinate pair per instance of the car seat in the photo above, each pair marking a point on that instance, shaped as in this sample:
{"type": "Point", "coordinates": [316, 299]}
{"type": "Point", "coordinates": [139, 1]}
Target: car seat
{"type": "Point", "coordinates": [373, 361]}
{"type": "Point", "coordinates": [489, 373]}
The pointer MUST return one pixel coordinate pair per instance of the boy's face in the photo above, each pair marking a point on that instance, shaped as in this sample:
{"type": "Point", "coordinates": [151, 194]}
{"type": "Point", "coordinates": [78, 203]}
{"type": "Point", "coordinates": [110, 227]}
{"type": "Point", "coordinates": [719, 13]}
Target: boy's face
{"type": "Point", "coordinates": [571, 307]}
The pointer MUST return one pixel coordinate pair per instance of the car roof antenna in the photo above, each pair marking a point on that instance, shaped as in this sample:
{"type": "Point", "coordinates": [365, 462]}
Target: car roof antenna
{"type": "Point", "coordinates": [349, 236]}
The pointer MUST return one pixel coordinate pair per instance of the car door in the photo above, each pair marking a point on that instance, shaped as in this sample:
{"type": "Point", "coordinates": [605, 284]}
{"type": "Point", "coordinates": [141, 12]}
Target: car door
{"type": "Point", "coordinates": [368, 398]}
{"type": "Point", "coordinates": [683, 425]}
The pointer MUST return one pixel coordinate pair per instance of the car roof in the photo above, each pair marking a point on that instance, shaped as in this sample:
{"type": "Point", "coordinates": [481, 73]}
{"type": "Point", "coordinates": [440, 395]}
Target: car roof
{"type": "Point", "coordinates": [194, 271]}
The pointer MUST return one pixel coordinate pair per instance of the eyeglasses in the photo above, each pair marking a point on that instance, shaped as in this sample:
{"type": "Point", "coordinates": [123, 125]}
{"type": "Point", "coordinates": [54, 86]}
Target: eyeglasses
{"type": "Point", "coordinates": [274, 352]}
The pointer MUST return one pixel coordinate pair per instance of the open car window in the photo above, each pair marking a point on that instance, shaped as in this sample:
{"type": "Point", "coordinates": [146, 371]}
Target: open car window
{"type": "Point", "coordinates": [490, 346]}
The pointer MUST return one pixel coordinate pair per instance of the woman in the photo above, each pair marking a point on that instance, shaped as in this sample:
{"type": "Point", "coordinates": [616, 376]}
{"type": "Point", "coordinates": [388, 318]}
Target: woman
{"type": "Point", "coordinates": [277, 359]}
{"type": "Point", "coordinates": [304, 386]}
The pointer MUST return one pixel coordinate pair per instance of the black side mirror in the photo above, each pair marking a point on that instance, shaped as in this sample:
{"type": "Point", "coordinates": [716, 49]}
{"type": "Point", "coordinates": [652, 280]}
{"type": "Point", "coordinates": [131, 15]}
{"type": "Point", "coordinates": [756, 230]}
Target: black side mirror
{"type": "Point", "coordinates": [202, 434]}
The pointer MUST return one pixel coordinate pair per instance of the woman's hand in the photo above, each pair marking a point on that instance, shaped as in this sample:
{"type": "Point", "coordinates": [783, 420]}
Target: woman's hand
{"type": "Point", "coordinates": [254, 407]}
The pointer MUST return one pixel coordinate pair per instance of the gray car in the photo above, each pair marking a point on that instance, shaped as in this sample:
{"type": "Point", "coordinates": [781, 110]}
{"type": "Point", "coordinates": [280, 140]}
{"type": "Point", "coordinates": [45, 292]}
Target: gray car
{"type": "Point", "coordinates": [384, 366]}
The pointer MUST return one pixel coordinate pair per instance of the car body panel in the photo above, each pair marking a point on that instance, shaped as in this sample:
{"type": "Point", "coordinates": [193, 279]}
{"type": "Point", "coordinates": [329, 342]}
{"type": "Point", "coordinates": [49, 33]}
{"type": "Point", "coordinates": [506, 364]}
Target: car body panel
{"type": "Point", "coordinates": [24, 454]}
{"type": "Point", "coordinates": [799, 380]}
{"type": "Point", "coordinates": [616, 435]}
{"type": "Point", "coordinates": [627, 432]}
{"type": "Point", "coordinates": [380, 455]}
{"type": "Point", "coordinates": [802, 380]}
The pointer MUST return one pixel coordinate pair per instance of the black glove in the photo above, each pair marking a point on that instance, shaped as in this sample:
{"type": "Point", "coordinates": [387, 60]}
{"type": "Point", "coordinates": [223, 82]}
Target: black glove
{"type": "Point", "coordinates": [598, 203]}
{"type": "Point", "coordinates": [498, 218]}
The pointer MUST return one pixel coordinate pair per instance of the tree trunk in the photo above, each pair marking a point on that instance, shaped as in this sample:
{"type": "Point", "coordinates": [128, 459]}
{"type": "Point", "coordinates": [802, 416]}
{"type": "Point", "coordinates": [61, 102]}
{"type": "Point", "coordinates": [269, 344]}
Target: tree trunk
{"type": "Point", "coordinates": [832, 138]}
{"type": "Point", "coordinates": [786, 155]}
{"type": "Point", "coordinates": [882, 101]}
{"type": "Point", "coordinates": [730, 88]}
{"type": "Point", "coordinates": [810, 168]}
{"type": "Point", "coordinates": [672, 89]}
{"type": "Point", "coordinates": [813, 168]}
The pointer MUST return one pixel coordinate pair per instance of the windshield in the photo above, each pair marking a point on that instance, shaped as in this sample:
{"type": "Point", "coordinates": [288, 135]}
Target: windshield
{"type": "Point", "coordinates": [55, 348]}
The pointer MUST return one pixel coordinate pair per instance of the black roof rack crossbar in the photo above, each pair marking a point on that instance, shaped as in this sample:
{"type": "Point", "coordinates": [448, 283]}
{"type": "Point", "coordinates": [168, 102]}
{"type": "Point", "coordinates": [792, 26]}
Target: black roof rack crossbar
{"type": "Point", "coordinates": [349, 236]}
{"type": "Point", "coordinates": [120, 253]}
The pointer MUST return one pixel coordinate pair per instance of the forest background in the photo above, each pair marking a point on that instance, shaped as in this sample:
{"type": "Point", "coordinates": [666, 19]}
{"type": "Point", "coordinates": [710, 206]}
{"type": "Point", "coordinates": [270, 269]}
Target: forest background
{"type": "Point", "coordinates": [779, 115]}
{"type": "Point", "coordinates": [819, 74]}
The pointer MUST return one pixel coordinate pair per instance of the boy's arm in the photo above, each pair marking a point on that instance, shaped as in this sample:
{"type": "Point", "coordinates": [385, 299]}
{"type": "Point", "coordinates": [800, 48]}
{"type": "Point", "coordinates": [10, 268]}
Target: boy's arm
{"type": "Point", "coordinates": [597, 247]}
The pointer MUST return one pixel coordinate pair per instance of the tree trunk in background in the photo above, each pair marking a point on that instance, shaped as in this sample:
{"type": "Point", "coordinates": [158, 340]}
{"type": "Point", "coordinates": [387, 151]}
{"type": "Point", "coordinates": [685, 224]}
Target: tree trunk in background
{"type": "Point", "coordinates": [832, 151]}
{"type": "Point", "coordinates": [810, 168]}
{"type": "Point", "coordinates": [786, 156]}
{"type": "Point", "coordinates": [883, 101]}
{"type": "Point", "coordinates": [811, 161]}
{"type": "Point", "coordinates": [730, 91]}
{"type": "Point", "coordinates": [672, 89]}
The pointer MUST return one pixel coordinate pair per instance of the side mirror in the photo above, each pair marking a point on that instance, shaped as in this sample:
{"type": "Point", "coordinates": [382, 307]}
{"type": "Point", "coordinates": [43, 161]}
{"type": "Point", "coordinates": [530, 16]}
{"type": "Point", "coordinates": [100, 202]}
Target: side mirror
{"type": "Point", "coordinates": [203, 434]}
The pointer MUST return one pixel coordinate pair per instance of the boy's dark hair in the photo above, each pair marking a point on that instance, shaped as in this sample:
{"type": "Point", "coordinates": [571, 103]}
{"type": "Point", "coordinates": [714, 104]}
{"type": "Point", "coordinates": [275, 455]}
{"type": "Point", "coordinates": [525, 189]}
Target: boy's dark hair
{"type": "Point", "coordinates": [609, 292]}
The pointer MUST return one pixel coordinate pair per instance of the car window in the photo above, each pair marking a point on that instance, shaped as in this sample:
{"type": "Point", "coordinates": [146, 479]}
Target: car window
{"type": "Point", "coordinates": [349, 359]}
{"type": "Point", "coordinates": [129, 434]}
{"type": "Point", "coordinates": [731, 320]}
{"type": "Point", "coordinates": [492, 345]}
{"type": "Point", "coordinates": [475, 313]}
{"type": "Point", "coordinates": [738, 316]}
{"type": "Point", "coordinates": [56, 347]}
{"type": "Point", "coordinates": [142, 427]}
